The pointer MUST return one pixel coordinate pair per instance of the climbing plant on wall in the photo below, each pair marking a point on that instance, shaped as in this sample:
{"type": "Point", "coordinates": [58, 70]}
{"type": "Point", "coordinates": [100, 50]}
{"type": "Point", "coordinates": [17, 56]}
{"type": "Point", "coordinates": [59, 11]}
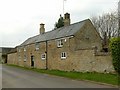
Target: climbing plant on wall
{"type": "Point", "coordinates": [115, 50]}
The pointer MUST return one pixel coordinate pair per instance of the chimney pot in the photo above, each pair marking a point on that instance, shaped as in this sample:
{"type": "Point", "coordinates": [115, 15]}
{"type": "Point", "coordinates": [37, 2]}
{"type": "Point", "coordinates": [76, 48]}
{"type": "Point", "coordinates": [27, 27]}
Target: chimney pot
{"type": "Point", "coordinates": [42, 28]}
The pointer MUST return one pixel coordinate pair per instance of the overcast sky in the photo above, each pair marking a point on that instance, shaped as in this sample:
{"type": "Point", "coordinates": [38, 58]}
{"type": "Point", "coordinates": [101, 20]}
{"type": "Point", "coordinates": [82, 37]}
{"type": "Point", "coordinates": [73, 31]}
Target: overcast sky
{"type": "Point", "coordinates": [20, 19]}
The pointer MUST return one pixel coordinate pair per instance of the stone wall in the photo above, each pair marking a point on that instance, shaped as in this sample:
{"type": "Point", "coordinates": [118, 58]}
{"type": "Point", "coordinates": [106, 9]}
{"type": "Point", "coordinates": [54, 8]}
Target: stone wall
{"type": "Point", "coordinates": [82, 61]}
{"type": "Point", "coordinates": [87, 37]}
{"type": "Point", "coordinates": [24, 56]}
{"type": "Point", "coordinates": [103, 63]}
{"type": "Point", "coordinates": [12, 59]}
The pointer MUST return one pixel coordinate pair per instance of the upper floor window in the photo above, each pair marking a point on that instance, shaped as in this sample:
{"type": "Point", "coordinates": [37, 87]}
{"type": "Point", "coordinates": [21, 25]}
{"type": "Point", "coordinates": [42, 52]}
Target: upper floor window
{"type": "Point", "coordinates": [24, 49]}
{"type": "Point", "coordinates": [59, 43]}
{"type": "Point", "coordinates": [19, 50]}
{"type": "Point", "coordinates": [63, 55]}
{"type": "Point", "coordinates": [37, 46]}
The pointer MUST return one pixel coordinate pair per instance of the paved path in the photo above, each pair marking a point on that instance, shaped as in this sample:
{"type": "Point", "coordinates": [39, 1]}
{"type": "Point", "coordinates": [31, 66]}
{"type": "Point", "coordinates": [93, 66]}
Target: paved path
{"type": "Point", "coordinates": [18, 78]}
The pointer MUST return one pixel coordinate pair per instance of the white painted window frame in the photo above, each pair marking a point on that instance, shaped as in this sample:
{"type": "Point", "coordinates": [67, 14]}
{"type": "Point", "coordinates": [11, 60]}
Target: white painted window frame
{"type": "Point", "coordinates": [19, 58]}
{"type": "Point", "coordinates": [43, 56]}
{"type": "Point", "coordinates": [25, 58]}
{"type": "Point", "coordinates": [37, 46]}
{"type": "Point", "coordinates": [24, 49]}
{"type": "Point", "coordinates": [60, 43]}
{"type": "Point", "coordinates": [63, 55]}
{"type": "Point", "coordinates": [19, 50]}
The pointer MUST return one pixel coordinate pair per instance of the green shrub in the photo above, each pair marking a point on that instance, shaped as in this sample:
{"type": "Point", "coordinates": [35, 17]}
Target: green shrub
{"type": "Point", "coordinates": [115, 50]}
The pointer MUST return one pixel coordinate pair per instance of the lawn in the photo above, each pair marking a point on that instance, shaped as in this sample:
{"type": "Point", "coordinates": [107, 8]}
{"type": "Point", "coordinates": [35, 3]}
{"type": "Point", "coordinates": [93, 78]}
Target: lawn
{"type": "Point", "coordinates": [92, 76]}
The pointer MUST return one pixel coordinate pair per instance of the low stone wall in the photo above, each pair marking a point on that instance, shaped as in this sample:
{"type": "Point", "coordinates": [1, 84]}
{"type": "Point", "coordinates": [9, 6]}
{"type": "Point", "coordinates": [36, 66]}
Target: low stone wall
{"type": "Point", "coordinates": [12, 59]}
{"type": "Point", "coordinates": [103, 63]}
{"type": "Point", "coordinates": [89, 61]}
{"type": "Point", "coordinates": [83, 61]}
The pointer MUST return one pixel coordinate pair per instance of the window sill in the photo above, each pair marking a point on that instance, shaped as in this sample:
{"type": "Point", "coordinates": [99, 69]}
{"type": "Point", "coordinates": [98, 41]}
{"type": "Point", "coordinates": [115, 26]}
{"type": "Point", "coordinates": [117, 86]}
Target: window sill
{"type": "Point", "coordinates": [43, 58]}
{"type": "Point", "coordinates": [62, 58]}
{"type": "Point", "coordinates": [59, 46]}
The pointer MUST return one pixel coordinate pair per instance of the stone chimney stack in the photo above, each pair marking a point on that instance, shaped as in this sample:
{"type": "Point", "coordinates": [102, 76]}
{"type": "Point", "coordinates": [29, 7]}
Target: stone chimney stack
{"type": "Point", "coordinates": [42, 28]}
{"type": "Point", "coordinates": [67, 19]}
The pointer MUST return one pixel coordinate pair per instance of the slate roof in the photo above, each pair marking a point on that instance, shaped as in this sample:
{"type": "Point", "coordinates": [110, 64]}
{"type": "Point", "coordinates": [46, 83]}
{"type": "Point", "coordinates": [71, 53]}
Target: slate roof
{"type": "Point", "coordinates": [5, 50]}
{"type": "Point", "coordinates": [57, 33]}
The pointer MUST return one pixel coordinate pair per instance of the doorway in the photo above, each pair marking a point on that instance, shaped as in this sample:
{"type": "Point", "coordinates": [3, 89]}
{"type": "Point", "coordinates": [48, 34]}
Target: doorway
{"type": "Point", "coordinates": [32, 61]}
{"type": "Point", "coordinates": [4, 58]}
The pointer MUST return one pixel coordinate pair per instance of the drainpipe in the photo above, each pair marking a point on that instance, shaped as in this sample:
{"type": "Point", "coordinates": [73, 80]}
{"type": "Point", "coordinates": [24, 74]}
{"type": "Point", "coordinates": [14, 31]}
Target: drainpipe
{"type": "Point", "coordinates": [46, 55]}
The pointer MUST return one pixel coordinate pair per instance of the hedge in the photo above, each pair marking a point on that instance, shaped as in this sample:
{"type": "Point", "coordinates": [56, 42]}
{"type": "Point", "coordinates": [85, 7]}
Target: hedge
{"type": "Point", "coordinates": [115, 50]}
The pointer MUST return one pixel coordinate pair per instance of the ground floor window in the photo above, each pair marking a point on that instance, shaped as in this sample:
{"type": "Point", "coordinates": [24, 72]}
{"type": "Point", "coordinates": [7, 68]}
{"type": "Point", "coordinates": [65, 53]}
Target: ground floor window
{"type": "Point", "coordinates": [43, 56]}
{"type": "Point", "coordinates": [63, 55]}
{"type": "Point", "coordinates": [25, 58]}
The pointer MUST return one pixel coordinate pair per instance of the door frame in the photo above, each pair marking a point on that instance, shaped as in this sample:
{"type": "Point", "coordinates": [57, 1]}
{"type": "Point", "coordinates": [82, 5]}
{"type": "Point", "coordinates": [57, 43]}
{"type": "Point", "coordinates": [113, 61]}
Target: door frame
{"type": "Point", "coordinates": [32, 61]}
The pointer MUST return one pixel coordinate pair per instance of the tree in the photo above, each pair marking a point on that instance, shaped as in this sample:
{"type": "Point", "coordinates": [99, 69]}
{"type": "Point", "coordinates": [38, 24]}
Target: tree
{"type": "Point", "coordinates": [60, 22]}
{"type": "Point", "coordinates": [119, 18]}
{"type": "Point", "coordinates": [107, 23]}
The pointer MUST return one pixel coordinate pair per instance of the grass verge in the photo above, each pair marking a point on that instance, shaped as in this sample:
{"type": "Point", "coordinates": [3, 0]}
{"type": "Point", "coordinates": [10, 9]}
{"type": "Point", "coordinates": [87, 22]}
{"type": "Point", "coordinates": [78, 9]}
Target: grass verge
{"type": "Point", "coordinates": [92, 76]}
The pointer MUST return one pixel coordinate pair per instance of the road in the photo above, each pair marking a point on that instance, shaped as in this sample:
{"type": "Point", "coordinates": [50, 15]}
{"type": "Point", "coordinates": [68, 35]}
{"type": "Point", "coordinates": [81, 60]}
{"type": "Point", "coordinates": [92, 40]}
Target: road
{"type": "Point", "coordinates": [18, 78]}
{"type": "Point", "coordinates": [0, 76]}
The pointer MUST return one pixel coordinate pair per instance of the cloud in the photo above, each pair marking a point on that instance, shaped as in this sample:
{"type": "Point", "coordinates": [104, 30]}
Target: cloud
{"type": "Point", "coordinates": [20, 19]}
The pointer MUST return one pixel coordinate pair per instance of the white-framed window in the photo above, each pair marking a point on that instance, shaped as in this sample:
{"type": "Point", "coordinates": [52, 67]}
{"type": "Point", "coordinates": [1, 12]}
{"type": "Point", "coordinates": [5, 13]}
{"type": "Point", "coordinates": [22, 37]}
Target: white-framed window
{"type": "Point", "coordinates": [19, 49]}
{"type": "Point", "coordinates": [59, 43]}
{"type": "Point", "coordinates": [37, 46]}
{"type": "Point", "coordinates": [63, 55]}
{"type": "Point", "coordinates": [43, 56]}
{"type": "Point", "coordinates": [24, 49]}
{"type": "Point", "coordinates": [25, 58]}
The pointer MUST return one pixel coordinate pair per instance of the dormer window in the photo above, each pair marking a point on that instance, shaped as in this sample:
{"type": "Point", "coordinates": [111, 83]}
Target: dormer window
{"type": "Point", "coordinates": [59, 43]}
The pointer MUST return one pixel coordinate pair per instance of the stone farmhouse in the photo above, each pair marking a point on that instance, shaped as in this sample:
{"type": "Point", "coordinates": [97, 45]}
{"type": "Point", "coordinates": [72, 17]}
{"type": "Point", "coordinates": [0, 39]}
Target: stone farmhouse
{"type": "Point", "coordinates": [74, 47]}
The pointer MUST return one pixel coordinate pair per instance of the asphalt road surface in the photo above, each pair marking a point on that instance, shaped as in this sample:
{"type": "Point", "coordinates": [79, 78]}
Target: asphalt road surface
{"type": "Point", "coordinates": [0, 76]}
{"type": "Point", "coordinates": [18, 78]}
